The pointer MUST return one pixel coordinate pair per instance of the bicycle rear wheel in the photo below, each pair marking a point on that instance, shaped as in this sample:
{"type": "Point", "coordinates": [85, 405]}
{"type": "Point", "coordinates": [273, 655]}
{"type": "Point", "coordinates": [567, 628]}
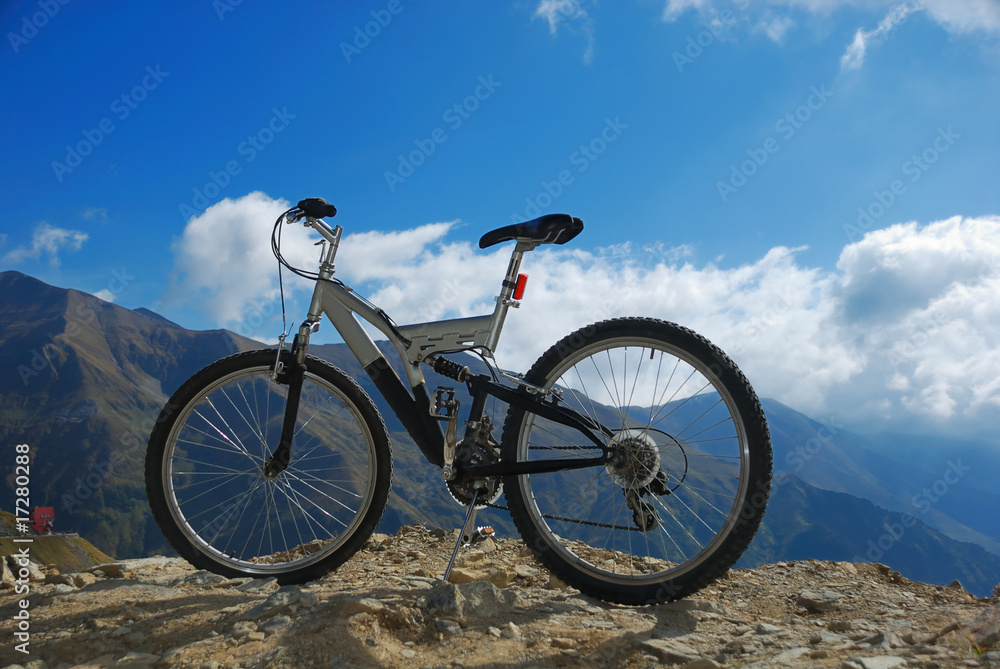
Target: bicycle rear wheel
{"type": "Point", "coordinates": [211, 498]}
{"type": "Point", "coordinates": [692, 474]}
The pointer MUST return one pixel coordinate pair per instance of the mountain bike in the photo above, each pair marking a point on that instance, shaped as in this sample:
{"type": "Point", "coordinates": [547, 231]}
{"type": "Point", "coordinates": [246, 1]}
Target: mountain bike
{"type": "Point", "coordinates": [634, 459]}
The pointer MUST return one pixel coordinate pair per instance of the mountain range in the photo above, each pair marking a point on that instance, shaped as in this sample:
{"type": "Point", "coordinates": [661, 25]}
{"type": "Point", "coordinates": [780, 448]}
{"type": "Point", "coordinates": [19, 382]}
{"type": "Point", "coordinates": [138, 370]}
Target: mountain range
{"type": "Point", "coordinates": [81, 381]}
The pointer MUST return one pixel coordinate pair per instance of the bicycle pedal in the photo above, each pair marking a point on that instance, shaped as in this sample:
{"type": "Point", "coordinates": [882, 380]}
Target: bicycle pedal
{"type": "Point", "coordinates": [482, 534]}
{"type": "Point", "coordinates": [444, 399]}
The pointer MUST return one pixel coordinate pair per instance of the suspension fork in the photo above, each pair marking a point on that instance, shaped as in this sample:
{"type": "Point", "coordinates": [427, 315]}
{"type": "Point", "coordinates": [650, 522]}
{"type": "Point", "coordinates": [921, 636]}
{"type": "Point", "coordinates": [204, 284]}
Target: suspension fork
{"type": "Point", "coordinates": [292, 376]}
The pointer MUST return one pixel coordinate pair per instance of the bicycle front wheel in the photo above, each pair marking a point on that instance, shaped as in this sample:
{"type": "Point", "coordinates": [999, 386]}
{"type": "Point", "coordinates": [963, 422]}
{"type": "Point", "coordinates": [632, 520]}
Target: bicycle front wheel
{"type": "Point", "coordinates": [691, 473]}
{"type": "Point", "coordinates": [205, 470]}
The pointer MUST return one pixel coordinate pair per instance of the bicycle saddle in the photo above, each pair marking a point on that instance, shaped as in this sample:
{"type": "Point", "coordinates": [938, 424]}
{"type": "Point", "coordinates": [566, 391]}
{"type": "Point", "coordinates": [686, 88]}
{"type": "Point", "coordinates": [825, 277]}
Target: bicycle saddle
{"type": "Point", "coordinates": [548, 229]}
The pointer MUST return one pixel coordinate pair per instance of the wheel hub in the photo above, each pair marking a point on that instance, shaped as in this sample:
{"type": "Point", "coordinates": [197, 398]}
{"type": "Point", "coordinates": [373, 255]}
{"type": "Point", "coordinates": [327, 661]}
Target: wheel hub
{"type": "Point", "coordinates": [638, 460]}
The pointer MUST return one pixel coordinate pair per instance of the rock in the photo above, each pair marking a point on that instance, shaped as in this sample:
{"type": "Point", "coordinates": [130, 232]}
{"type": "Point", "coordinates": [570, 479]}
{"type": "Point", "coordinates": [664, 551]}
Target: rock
{"type": "Point", "coordinates": [695, 605]}
{"type": "Point", "coordinates": [818, 601]}
{"type": "Point", "coordinates": [109, 570]}
{"type": "Point", "coordinates": [556, 583]}
{"type": "Point", "coordinates": [35, 572]}
{"type": "Point", "coordinates": [767, 629]}
{"type": "Point", "coordinates": [981, 630]}
{"type": "Point", "coordinates": [353, 605]}
{"type": "Point", "coordinates": [477, 597]}
{"type": "Point", "coordinates": [448, 626]}
{"type": "Point", "coordinates": [511, 631]}
{"type": "Point", "coordinates": [132, 588]}
{"type": "Point", "coordinates": [525, 571]}
{"type": "Point", "coordinates": [202, 577]}
{"type": "Point", "coordinates": [703, 663]}
{"type": "Point", "coordinates": [276, 625]}
{"type": "Point", "coordinates": [135, 660]}
{"type": "Point", "coordinates": [242, 628]}
{"type": "Point", "coordinates": [499, 575]}
{"type": "Point", "coordinates": [279, 602]}
{"type": "Point", "coordinates": [670, 650]}
{"type": "Point", "coordinates": [883, 640]}
{"type": "Point", "coordinates": [881, 662]}
{"type": "Point", "coordinates": [259, 585]}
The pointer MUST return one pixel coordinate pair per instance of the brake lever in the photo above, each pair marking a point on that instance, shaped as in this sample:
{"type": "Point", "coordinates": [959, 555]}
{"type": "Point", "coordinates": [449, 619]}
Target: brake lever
{"type": "Point", "coordinates": [294, 217]}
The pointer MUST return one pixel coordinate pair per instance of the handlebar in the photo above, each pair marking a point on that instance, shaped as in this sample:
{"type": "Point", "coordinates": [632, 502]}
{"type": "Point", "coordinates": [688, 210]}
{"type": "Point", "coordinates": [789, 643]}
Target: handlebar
{"type": "Point", "coordinates": [316, 207]}
{"type": "Point", "coordinates": [313, 210]}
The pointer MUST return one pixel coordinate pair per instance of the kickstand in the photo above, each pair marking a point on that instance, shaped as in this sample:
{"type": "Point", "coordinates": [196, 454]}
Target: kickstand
{"type": "Point", "coordinates": [465, 536]}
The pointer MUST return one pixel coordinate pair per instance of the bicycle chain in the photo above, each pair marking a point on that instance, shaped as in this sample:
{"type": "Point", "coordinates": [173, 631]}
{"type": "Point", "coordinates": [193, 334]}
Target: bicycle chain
{"type": "Point", "coordinates": [569, 520]}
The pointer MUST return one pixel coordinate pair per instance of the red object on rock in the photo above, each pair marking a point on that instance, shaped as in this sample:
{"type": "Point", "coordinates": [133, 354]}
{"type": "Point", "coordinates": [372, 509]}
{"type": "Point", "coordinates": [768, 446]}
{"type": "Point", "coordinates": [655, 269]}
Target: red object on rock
{"type": "Point", "coordinates": [41, 519]}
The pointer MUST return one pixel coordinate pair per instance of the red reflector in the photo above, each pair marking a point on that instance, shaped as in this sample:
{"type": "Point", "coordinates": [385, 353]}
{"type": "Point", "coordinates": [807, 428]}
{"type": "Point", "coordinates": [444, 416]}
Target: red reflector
{"type": "Point", "coordinates": [522, 280]}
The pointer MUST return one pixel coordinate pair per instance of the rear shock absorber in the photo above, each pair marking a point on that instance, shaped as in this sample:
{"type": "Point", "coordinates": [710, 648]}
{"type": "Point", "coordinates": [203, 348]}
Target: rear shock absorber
{"type": "Point", "coordinates": [451, 369]}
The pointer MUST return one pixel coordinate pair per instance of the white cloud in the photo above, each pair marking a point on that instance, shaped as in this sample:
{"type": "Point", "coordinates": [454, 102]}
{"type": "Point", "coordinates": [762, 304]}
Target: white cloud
{"type": "Point", "coordinates": [855, 54]}
{"type": "Point", "coordinates": [224, 266]}
{"type": "Point", "coordinates": [572, 15]}
{"type": "Point", "coordinates": [99, 213]}
{"type": "Point", "coordinates": [903, 333]}
{"type": "Point", "coordinates": [775, 27]}
{"type": "Point", "coordinates": [104, 294]}
{"type": "Point", "coordinates": [48, 240]}
{"type": "Point", "coordinates": [955, 16]}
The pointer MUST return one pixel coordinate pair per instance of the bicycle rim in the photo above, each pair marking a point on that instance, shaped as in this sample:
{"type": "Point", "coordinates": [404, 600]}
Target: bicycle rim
{"type": "Point", "coordinates": [673, 498]}
{"type": "Point", "coordinates": [230, 512]}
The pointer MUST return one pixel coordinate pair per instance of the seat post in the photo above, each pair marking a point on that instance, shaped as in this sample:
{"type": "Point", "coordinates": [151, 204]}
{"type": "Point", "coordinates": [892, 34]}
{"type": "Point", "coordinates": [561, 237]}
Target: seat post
{"type": "Point", "coordinates": [504, 300]}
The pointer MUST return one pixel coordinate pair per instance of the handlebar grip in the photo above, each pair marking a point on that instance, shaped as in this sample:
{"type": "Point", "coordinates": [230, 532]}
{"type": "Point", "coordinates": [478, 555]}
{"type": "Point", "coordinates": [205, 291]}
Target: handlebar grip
{"type": "Point", "coordinates": [316, 207]}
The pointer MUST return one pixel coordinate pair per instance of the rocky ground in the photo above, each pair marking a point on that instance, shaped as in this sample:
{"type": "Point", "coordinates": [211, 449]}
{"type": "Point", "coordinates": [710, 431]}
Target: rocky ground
{"type": "Point", "coordinates": [387, 607]}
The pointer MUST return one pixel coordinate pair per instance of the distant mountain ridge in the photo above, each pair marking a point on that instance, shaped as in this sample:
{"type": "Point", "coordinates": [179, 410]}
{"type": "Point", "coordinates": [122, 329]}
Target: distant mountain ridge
{"type": "Point", "coordinates": [82, 381]}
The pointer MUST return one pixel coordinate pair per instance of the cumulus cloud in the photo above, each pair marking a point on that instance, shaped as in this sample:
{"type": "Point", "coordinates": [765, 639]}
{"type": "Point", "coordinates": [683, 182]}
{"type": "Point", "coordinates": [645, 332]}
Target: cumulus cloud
{"type": "Point", "coordinates": [224, 266]}
{"type": "Point", "coordinates": [905, 331]}
{"type": "Point", "coordinates": [47, 240]}
{"type": "Point", "coordinates": [572, 15]}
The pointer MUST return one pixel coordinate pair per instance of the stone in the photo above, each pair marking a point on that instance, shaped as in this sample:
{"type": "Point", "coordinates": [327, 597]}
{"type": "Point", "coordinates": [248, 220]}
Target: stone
{"type": "Point", "coordinates": [352, 605]}
{"type": "Point", "coordinates": [511, 631]}
{"type": "Point", "coordinates": [477, 597]}
{"type": "Point", "coordinates": [499, 575]}
{"type": "Point", "coordinates": [448, 626]}
{"type": "Point", "coordinates": [981, 630]}
{"type": "Point", "coordinates": [670, 650]}
{"type": "Point", "coordinates": [818, 601]}
{"type": "Point", "coordinates": [556, 583]}
{"type": "Point", "coordinates": [202, 577]}
{"type": "Point", "coordinates": [880, 662]}
{"type": "Point", "coordinates": [703, 663]}
{"type": "Point", "coordinates": [35, 572]}
{"type": "Point", "coordinates": [695, 605]}
{"type": "Point", "coordinates": [279, 602]}
{"type": "Point", "coordinates": [526, 571]}
{"type": "Point", "coordinates": [110, 570]}
{"type": "Point", "coordinates": [767, 629]}
{"type": "Point", "coordinates": [258, 585]}
{"type": "Point", "coordinates": [276, 625]}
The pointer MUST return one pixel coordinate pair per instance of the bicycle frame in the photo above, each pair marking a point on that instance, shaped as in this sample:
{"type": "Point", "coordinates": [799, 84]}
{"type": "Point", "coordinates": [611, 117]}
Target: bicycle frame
{"type": "Point", "coordinates": [418, 343]}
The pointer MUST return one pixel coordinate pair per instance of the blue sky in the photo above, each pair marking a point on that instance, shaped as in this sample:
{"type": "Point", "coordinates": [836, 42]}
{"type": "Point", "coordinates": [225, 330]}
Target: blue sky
{"type": "Point", "coordinates": [718, 151]}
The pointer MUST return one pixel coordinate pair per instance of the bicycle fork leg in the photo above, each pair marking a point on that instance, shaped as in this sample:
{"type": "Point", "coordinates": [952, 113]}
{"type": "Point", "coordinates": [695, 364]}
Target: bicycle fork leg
{"type": "Point", "coordinates": [282, 455]}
